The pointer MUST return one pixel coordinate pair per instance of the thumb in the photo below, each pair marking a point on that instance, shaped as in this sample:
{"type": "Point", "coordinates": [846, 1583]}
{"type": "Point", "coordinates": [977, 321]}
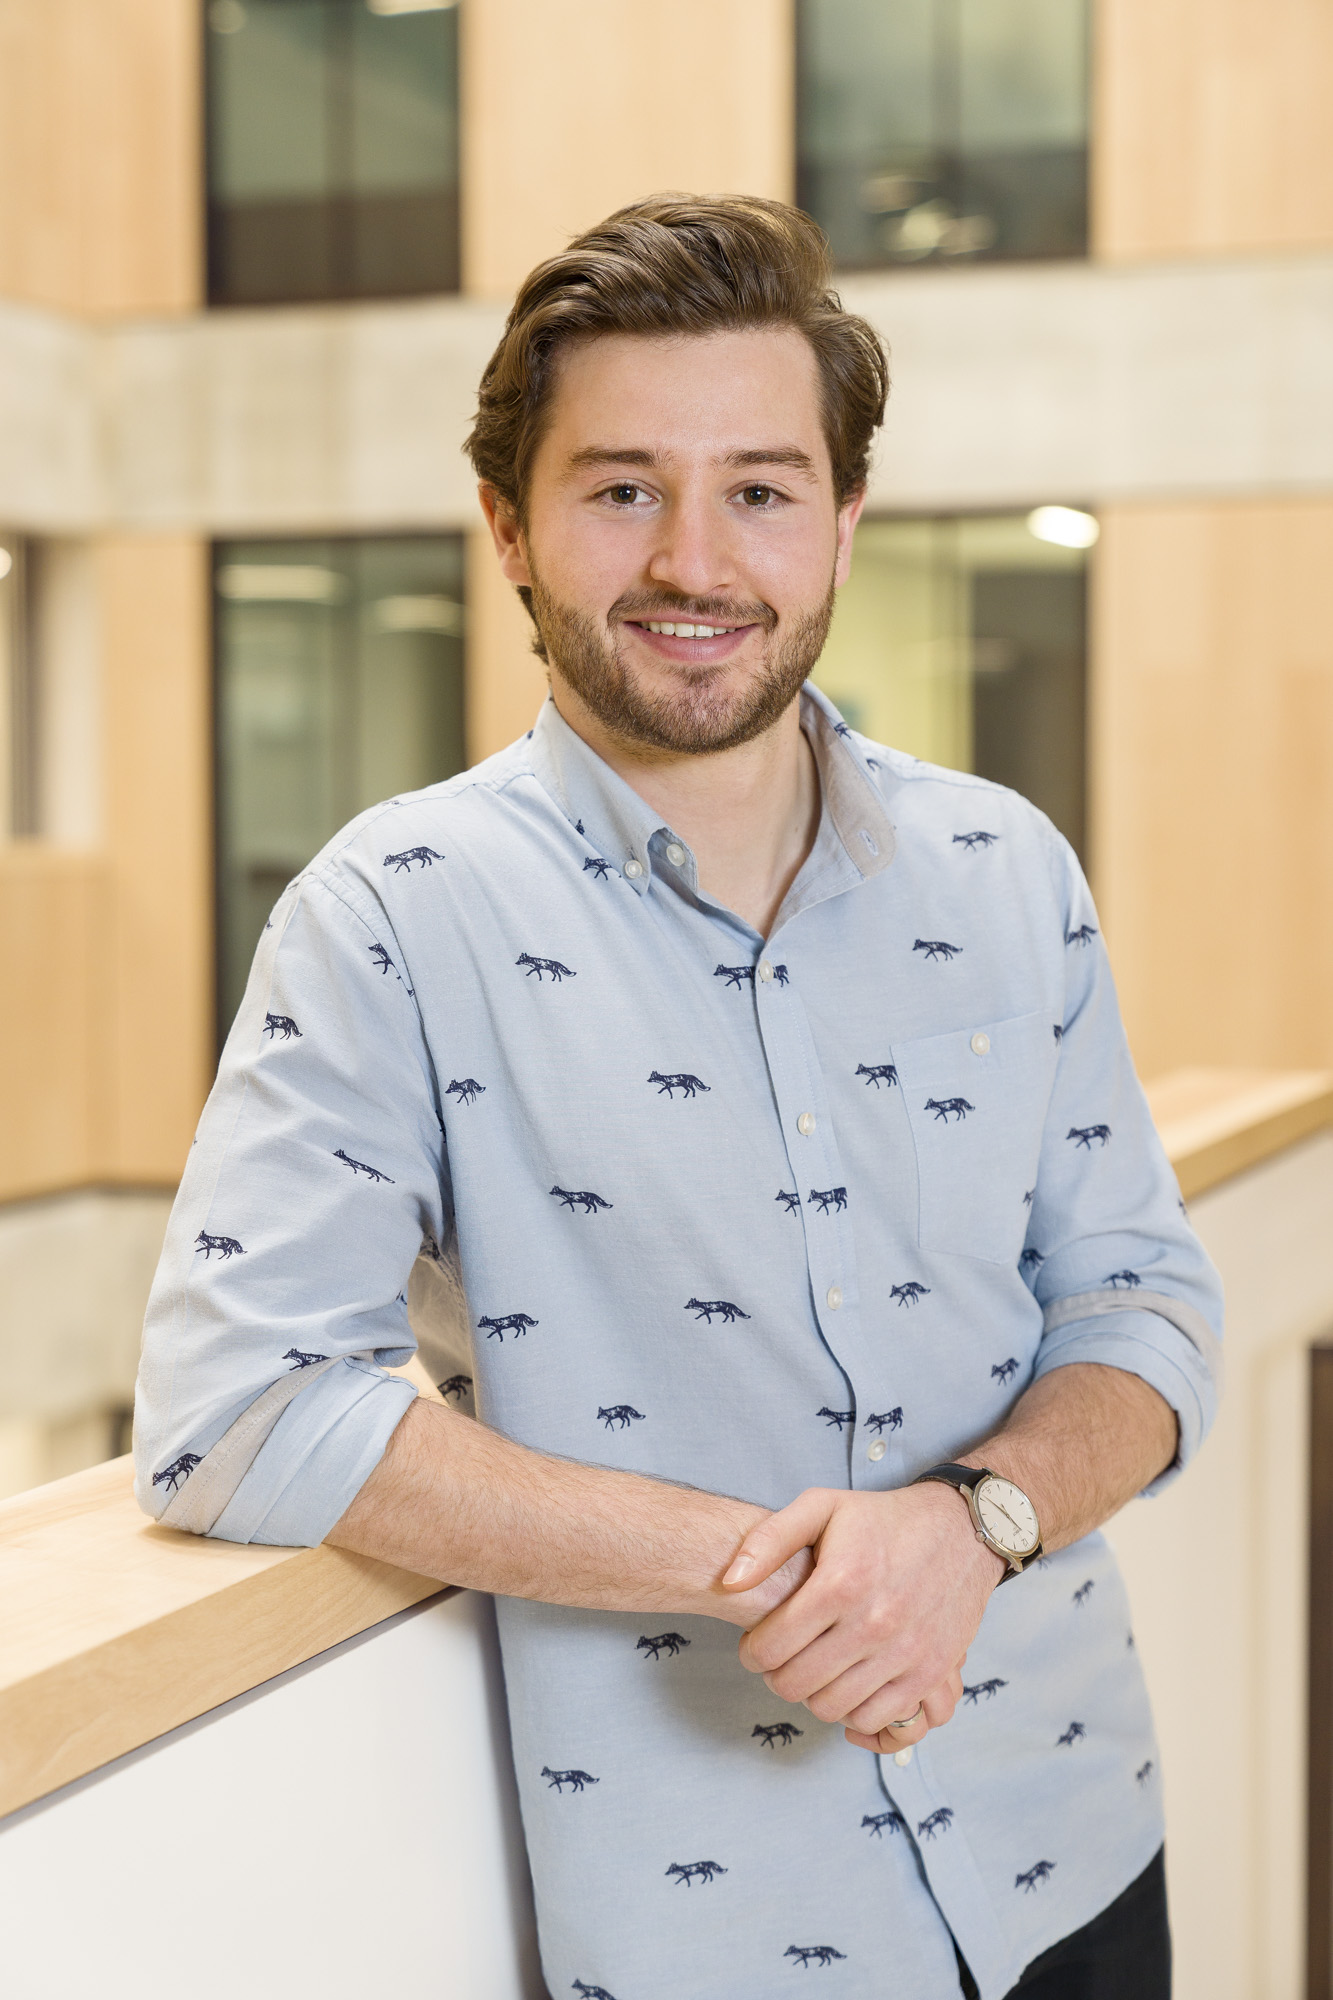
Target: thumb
{"type": "Point", "coordinates": [775, 1540]}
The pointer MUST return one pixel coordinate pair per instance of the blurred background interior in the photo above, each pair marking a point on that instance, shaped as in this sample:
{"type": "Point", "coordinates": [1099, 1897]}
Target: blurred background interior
{"type": "Point", "coordinates": [253, 256]}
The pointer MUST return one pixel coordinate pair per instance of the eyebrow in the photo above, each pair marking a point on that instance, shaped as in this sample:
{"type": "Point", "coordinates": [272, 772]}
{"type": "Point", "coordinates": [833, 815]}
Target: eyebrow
{"type": "Point", "coordinates": [778, 454]}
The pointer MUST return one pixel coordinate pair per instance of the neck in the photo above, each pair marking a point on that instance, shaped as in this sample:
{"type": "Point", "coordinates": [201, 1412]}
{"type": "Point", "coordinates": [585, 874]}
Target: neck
{"type": "Point", "coordinates": [749, 814]}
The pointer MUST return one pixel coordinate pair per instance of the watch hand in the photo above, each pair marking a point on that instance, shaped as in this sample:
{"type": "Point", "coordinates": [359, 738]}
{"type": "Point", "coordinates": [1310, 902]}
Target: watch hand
{"type": "Point", "coordinates": [1008, 1516]}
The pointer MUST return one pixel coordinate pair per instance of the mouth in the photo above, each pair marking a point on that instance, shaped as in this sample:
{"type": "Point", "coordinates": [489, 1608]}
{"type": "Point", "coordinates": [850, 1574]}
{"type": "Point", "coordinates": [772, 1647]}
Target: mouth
{"type": "Point", "coordinates": [688, 639]}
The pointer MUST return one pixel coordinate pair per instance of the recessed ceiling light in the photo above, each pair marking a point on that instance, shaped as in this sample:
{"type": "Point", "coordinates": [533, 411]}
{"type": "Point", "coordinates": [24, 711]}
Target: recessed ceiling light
{"type": "Point", "coordinates": [1067, 527]}
{"type": "Point", "coordinates": [6, 562]}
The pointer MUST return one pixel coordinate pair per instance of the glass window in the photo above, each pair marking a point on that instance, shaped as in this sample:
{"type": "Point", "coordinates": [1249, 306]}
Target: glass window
{"type": "Point", "coordinates": [940, 130]}
{"type": "Point", "coordinates": [962, 642]}
{"type": "Point", "coordinates": [339, 683]}
{"type": "Point", "coordinates": [332, 149]}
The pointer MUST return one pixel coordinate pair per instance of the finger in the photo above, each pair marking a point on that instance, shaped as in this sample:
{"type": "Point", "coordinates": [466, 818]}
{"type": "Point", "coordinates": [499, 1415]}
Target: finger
{"type": "Point", "coordinates": [878, 1715]}
{"type": "Point", "coordinates": [800, 1622]}
{"type": "Point", "coordinates": [774, 1541]}
{"type": "Point", "coordinates": [842, 1695]}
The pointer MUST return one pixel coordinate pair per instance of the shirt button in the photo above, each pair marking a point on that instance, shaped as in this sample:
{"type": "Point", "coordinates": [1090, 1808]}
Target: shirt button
{"type": "Point", "coordinates": [805, 1124]}
{"type": "Point", "coordinates": [980, 1044]}
{"type": "Point", "coordinates": [877, 1450]}
{"type": "Point", "coordinates": [675, 854]}
{"type": "Point", "coordinates": [903, 1756]}
{"type": "Point", "coordinates": [765, 971]}
{"type": "Point", "coordinates": [633, 869]}
{"type": "Point", "coordinates": [834, 1297]}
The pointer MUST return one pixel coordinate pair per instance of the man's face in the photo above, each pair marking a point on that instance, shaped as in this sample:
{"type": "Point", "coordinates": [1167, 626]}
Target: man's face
{"type": "Point", "coordinates": [684, 481]}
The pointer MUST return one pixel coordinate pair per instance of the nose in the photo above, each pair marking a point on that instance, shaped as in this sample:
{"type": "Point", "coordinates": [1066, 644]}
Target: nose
{"type": "Point", "coordinates": [692, 556]}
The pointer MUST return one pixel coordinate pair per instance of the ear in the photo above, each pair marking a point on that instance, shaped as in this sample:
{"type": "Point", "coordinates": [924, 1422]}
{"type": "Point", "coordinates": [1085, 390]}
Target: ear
{"type": "Point", "coordinates": [506, 534]}
{"type": "Point", "coordinates": [848, 516]}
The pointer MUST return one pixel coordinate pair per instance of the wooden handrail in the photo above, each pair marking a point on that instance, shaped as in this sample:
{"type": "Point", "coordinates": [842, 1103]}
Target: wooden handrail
{"type": "Point", "coordinates": [115, 1631]}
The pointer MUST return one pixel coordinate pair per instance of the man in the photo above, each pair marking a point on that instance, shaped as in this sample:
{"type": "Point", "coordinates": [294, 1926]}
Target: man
{"type": "Point", "coordinates": [764, 1091]}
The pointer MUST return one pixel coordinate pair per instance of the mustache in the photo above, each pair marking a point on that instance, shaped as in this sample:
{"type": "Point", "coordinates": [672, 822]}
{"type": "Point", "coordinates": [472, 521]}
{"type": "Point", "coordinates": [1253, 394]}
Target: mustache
{"type": "Point", "coordinates": [665, 609]}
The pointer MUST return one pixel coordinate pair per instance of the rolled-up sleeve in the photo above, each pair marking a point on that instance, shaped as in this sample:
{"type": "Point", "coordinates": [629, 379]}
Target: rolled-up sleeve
{"type": "Point", "coordinates": [317, 1174]}
{"type": "Point", "coordinates": [1121, 1277]}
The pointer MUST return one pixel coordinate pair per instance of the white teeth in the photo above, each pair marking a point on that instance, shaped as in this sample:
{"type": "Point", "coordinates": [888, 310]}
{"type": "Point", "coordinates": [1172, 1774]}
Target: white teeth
{"type": "Point", "coordinates": [690, 631]}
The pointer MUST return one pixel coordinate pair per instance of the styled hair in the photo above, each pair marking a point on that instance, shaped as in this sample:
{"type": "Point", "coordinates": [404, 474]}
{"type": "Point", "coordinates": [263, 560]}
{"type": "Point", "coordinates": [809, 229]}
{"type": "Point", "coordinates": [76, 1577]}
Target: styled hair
{"type": "Point", "coordinates": [679, 264]}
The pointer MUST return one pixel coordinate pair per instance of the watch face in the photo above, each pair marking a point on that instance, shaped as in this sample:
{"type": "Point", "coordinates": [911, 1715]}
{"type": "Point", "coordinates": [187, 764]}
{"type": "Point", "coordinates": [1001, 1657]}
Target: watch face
{"type": "Point", "coordinates": [1007, 1515]}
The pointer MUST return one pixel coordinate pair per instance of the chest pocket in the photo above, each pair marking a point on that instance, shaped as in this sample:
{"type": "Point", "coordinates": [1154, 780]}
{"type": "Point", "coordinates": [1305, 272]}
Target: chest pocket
{"type": "Point", "coordinates": [976, 1101]}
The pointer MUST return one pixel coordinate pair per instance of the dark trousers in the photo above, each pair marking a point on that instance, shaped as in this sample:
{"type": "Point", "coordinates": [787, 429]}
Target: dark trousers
{"type": "Point", "coordinates": [1123, 1954]}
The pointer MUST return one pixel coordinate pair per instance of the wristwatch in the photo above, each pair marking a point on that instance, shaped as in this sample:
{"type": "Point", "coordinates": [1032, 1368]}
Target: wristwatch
{"type": "Point", "coordinates": [1003, 1516]}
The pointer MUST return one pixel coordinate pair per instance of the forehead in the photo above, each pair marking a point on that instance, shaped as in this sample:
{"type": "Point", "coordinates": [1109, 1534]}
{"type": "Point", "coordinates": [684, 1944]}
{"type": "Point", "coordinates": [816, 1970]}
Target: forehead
{"type": "Point", "coordinates": [687, 396]}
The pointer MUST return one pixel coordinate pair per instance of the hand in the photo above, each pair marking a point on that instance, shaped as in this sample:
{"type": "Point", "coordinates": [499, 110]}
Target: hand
{"type": "Point", "coordinates": [884, 1621]}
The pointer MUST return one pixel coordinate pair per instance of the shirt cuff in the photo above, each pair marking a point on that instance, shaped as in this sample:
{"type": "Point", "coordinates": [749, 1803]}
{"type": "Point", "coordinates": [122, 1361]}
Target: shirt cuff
{"type": "Point", "coordinates": [317, 1458]}
{"type": "Point", "coordinates": [1151, 1347]}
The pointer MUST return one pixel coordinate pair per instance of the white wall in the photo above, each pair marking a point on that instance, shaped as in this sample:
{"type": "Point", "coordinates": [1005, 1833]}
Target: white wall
{"type": "Point", "coordinates": [1217, 1570]}
{"type": "Point", "coordinates": [349, 1832]}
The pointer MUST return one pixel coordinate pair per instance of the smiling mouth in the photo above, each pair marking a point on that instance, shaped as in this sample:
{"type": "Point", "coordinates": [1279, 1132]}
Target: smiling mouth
{"type": "Point", "coordinates": [677, 630]}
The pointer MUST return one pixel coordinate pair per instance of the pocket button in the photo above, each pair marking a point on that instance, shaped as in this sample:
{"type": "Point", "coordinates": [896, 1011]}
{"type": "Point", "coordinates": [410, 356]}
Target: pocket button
{"type": "Point", "coordinates": [980, 1043]}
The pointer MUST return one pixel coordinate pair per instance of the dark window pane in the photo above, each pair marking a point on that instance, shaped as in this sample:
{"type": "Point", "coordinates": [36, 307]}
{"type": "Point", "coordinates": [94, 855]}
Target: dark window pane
{"type": "Point", "coordinates": [333, 150]}
{"type": "Point", "coordinates": [940, 130]}
{"type": "Point", "coordinates": [962, 642]}
{"type": "Point", "coordinates": [339, 683]}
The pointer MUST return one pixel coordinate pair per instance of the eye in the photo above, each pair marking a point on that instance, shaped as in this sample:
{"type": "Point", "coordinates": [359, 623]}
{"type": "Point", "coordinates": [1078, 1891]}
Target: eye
{"type": "Point", "coordinates": [758, 496]}
{"type": "Point", "coordinates": [624, 493]}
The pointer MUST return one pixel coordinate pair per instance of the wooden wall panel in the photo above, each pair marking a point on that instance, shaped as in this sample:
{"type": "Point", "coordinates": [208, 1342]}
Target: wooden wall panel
{"type": "Point", "coordinates": [158, 982]}
{"type": "Point", "coordinates": [1212, 126]}
{"type": "Point", "coordinates": [1212, 813]}
{"type": "Point", "coordinates": [100, 154]}
{"type": "Point", "coordinates": [53, 922]}
{"type": "Point", "coordinates": [573, 107]}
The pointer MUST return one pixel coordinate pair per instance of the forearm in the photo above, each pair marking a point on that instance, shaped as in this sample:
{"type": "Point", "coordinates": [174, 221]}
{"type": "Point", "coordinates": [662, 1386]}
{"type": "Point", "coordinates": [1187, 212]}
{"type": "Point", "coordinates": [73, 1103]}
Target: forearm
{"type": "Point", "coordinates": [1081, 1443]}
{"type": "Point", "coordinates": [454, 1500]}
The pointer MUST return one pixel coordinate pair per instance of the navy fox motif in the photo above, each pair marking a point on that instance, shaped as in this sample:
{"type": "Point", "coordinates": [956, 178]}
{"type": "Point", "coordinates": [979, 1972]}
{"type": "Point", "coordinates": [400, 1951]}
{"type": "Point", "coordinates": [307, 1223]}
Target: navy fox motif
{"type": "Point", "coordinates": [690, 1872]}
{"type": "Point", "coordinates": [790, 1201]}
{"type": "Point", "coordinates": [299, 1359]}
{"type": "Point", "coordinates": [937, 948]}
{"type": "Point", "coordinates": [1083, 935]}
{"type": "Point", "coordinates": [945, 1107]}
{"type": "Point", "coordinates": [514, 1323]}
{"type": "Point", "coordinates": [1126, 1278]}
{"type": "Point", "coordinates": [281, 1024]}
{"type": "Point", "coordinates": [466, 1089]}
{"type": "Point", "coordinates": [584, 1198]}
{"type": "Point", "coordinates": [1027, 1198]}
{"type": "Point", "coordinates": [972, 841]}
{"type": "Point", "coordinates": [360, 1167]}
{"type": "Point", "coordinates": [1005, 1371]}
{"type": "Point", "coordinates": [1085, 1134]}
{"type": "Point", "coordinates": [682, 1080]}
{"type": "Point", "coordinates": [384, 962]}
{"type": "Point", "coordinates": [1084, 1592]}
{"type": "Point", "coordinates": [886, 1420]}
{"type": "Point", "coordinates": [455, 1385]}
{"type": "Point", "coordinates": [780, 974]}
{"type": "Point", "coordinates": [226, 1246]}
{"type": "Point", "coordinates": [622, 1415]}
{"type": "Point", "coordinates": [1040, 1871]}
{"type": "Point", "coordinates": [180, 1468]}
{"type": "Point", "coordinates": [878, 1073]}
{"type": "Point", "coordinates": [596, 864]}
{"type": "Point", "coordinates": [575, 1779]}
{"type": "Point", "coordinates": [910, 1293]}
{"type": "Point", "coordinates": [877, 1822]}
{"type": "Point", "coordinates": [770, 1733]}
{"type": "Point", "coordinates": [425, 855]}
{"type": "Point", "coordinates": [828, 1198]}
{"type": "Point", "coordinates": [937, 1822]}
{"type": "Point", "coordinates": [735, 975]}
{"type": "Point", "coordinates": [1144, 1772]}
{"type": "Point", "coordinates": [813, 1954]}
{"type": "Point", "coordinates": [1074, 1734]}
{"type": "Point", "coordinates": [592, 1992]}
{"type": "Point", "coordinates": [541, 966]}
{"type": "Point", "coordinates": [705, 1308]}
{"type": "Point", "coordinates": [1057, 1031]}
{"type": "Point", "coordinates": [1031, 1258]}
{"type": "Point", "coordinates": [669, 1643]}
{"type": "Point", "coordinates": [836, 1418]}
{"type": "Point", "coordinates": [990, 1689]}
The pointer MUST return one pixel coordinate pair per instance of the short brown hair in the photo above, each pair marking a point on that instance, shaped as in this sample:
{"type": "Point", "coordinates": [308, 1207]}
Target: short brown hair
{"type": "Point", "coordinates": [680, 264]}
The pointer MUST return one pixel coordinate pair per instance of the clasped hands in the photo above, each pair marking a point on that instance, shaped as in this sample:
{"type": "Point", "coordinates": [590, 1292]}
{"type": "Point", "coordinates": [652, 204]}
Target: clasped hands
{"type": "Point", "coordinates": [884, 1607]}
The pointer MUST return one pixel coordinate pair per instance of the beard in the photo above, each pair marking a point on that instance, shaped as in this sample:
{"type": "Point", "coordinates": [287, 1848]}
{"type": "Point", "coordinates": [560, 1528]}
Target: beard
{"type": "Point", "coordinates": [707, 710]}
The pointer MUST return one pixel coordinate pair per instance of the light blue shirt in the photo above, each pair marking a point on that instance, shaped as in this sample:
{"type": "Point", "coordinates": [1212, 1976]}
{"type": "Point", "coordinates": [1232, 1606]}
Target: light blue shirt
{"type": "Point", "coordinates": [755, 1215]}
